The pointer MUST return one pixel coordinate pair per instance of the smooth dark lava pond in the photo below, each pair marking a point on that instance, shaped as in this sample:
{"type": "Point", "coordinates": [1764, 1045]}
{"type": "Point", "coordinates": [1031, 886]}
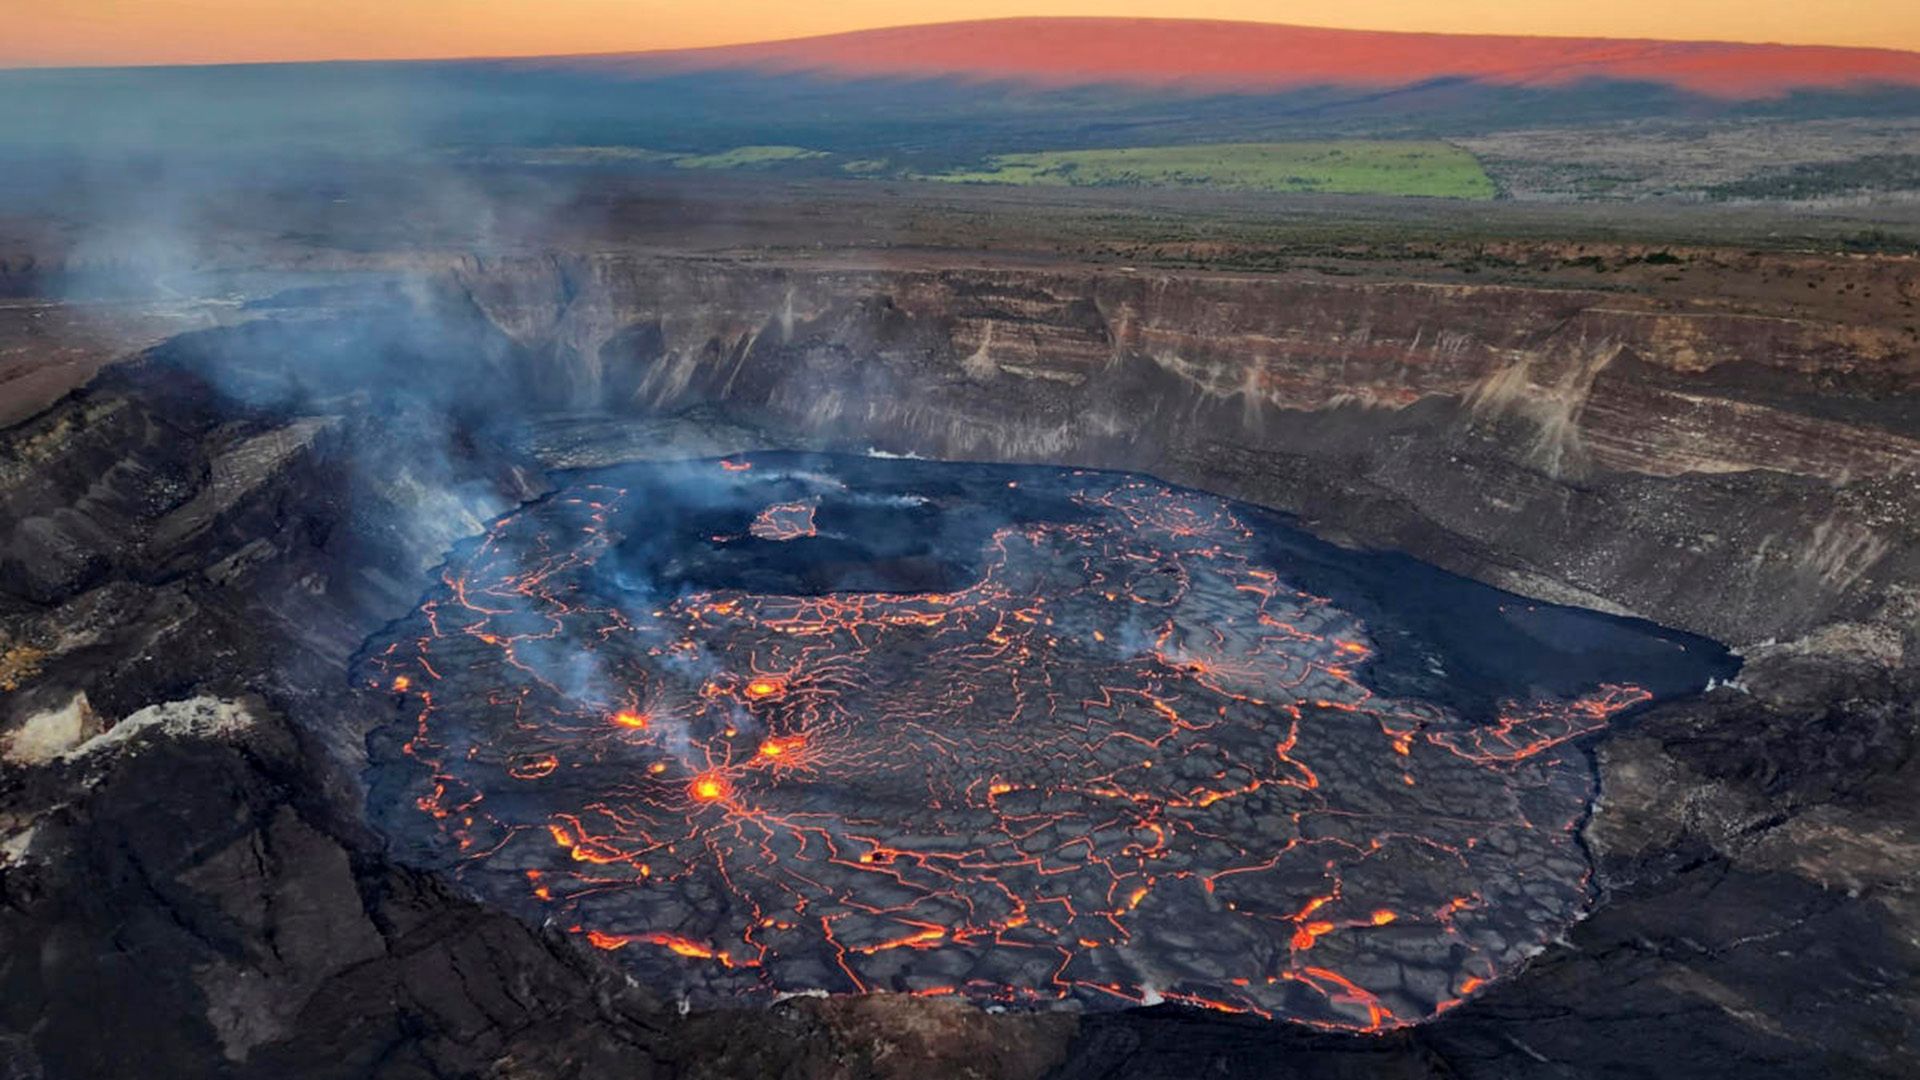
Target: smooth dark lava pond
{"type": "Point", "coordinates": [788, 723]}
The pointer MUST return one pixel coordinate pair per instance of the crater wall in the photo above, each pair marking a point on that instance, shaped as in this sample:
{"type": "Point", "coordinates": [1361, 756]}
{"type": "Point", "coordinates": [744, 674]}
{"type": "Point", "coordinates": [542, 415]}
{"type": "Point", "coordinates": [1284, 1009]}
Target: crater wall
{"type": "Point", "coordinates": [1746, 474]}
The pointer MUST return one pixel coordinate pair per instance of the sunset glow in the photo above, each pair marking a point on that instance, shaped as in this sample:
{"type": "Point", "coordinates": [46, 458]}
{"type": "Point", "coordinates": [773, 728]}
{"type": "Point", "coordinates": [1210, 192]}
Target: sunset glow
{"type": "Point", "coordinates": [84, 32]}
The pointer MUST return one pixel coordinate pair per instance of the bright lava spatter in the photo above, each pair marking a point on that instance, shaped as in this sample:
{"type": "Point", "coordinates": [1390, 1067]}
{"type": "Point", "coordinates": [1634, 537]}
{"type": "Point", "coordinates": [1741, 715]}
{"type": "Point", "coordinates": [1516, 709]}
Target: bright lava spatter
{"type": "Point", "coordinates": [1126, 764]}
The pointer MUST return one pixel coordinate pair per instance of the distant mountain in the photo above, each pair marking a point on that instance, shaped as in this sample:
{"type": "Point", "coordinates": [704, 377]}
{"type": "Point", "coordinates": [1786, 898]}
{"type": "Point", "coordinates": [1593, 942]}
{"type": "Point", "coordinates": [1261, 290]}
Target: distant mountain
{"type": "Point", "coordinates": [928, 99]}
{"type": "Point", "coordinates": [1243, 57]}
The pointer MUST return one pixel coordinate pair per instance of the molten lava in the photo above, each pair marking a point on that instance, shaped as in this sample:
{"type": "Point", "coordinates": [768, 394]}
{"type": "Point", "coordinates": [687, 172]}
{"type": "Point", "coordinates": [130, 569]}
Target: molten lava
{"type": "Point", "coordinates": [1125, 762]}
{"type": "Point", "coordinates": [784, 521]}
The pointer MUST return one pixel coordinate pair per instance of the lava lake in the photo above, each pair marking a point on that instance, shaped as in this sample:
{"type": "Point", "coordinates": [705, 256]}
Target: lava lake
{"type": "Point", "coordinates": [791, 722]}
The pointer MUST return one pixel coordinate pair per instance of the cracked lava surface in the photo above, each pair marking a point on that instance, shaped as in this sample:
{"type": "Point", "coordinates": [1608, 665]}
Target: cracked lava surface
{"type": "Point", "coordinates": [779, 724]}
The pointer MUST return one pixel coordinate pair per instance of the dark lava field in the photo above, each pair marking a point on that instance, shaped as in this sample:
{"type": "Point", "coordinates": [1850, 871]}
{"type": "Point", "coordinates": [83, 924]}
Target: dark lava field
{"type": "Point", "coordinates": [778, 724]}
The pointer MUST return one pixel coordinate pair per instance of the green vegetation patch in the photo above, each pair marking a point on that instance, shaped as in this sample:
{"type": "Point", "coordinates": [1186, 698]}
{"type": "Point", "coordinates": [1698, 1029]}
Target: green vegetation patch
{"type": "Point", "coordinates": [562, 155]}
{"type": "Point", "coordinates": [748, 157]}
{"type": "Point", "coordinates": [1346, 166]}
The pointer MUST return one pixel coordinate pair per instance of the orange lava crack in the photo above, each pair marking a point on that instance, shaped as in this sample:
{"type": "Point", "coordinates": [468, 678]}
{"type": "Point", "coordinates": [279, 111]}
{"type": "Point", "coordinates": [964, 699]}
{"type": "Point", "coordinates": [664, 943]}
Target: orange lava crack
{"type": "Point", "coordinates": [1125, 733]}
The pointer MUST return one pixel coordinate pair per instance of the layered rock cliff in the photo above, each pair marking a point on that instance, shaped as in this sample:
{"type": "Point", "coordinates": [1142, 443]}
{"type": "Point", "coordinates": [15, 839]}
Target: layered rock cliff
{"type": "Point", "coordinates": [1743, 473]}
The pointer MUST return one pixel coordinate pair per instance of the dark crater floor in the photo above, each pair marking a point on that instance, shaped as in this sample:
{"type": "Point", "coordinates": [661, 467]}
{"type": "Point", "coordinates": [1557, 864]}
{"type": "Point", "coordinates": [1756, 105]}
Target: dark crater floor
{"type": "Point", "coordinates": [786, 723]}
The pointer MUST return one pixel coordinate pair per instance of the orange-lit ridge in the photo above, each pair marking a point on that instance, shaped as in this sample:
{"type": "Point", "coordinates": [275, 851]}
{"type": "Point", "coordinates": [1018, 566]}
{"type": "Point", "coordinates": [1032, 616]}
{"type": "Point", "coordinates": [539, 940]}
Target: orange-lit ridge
{"type": "Point", "coordinates": [229, 31]}
{"type": "Point", "coordinates": [1249, 56]}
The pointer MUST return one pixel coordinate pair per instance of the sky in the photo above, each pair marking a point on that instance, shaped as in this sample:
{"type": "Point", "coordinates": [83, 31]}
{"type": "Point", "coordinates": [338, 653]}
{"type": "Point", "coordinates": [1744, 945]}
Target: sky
{"type": "Point", "coordinates": [77, 32]}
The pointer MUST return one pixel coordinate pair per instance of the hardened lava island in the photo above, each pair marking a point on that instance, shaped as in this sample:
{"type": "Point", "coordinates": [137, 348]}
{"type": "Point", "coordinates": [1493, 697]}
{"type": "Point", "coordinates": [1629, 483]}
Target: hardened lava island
{"type": "Point", "coordinates": [766, 565]}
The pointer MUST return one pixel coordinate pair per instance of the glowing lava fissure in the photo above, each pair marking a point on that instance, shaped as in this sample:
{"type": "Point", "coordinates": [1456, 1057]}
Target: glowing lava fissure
{"type": "Point", "coordinates": [1115, 755]}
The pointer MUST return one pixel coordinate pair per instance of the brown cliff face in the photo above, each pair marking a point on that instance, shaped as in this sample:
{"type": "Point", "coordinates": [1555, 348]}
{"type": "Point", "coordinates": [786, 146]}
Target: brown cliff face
{"type": "Point", "coordinates": [1747, 474]}
{"type": "Point", "coordinates": [1743, 465]}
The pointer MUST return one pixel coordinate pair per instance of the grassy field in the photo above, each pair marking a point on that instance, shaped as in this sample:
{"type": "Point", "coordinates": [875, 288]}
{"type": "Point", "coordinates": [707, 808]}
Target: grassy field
{"type": "Point", "coordinates": [1349, 167]}
{"type": "Point", "coordinates": [738, 157]}
{"type": "Point", "coordinates": [747, 157]}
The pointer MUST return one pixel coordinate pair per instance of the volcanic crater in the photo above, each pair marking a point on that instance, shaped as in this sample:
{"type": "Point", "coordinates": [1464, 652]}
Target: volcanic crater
{"type": "Point", "coordinates": [785, 723]}
{"type": "Point", "coordinates": [209, 543]}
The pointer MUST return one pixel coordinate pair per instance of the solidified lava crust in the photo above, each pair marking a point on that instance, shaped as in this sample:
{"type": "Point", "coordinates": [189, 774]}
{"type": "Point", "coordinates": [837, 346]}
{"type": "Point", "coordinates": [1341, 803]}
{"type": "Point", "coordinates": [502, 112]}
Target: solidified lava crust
{"type": "Point", "coordinates": [1103, 756]}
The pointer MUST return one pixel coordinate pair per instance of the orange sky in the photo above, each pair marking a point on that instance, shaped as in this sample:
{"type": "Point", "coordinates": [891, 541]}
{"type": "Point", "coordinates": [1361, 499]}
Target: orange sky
{"type": "Point", "coordinates": [190, 31]}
